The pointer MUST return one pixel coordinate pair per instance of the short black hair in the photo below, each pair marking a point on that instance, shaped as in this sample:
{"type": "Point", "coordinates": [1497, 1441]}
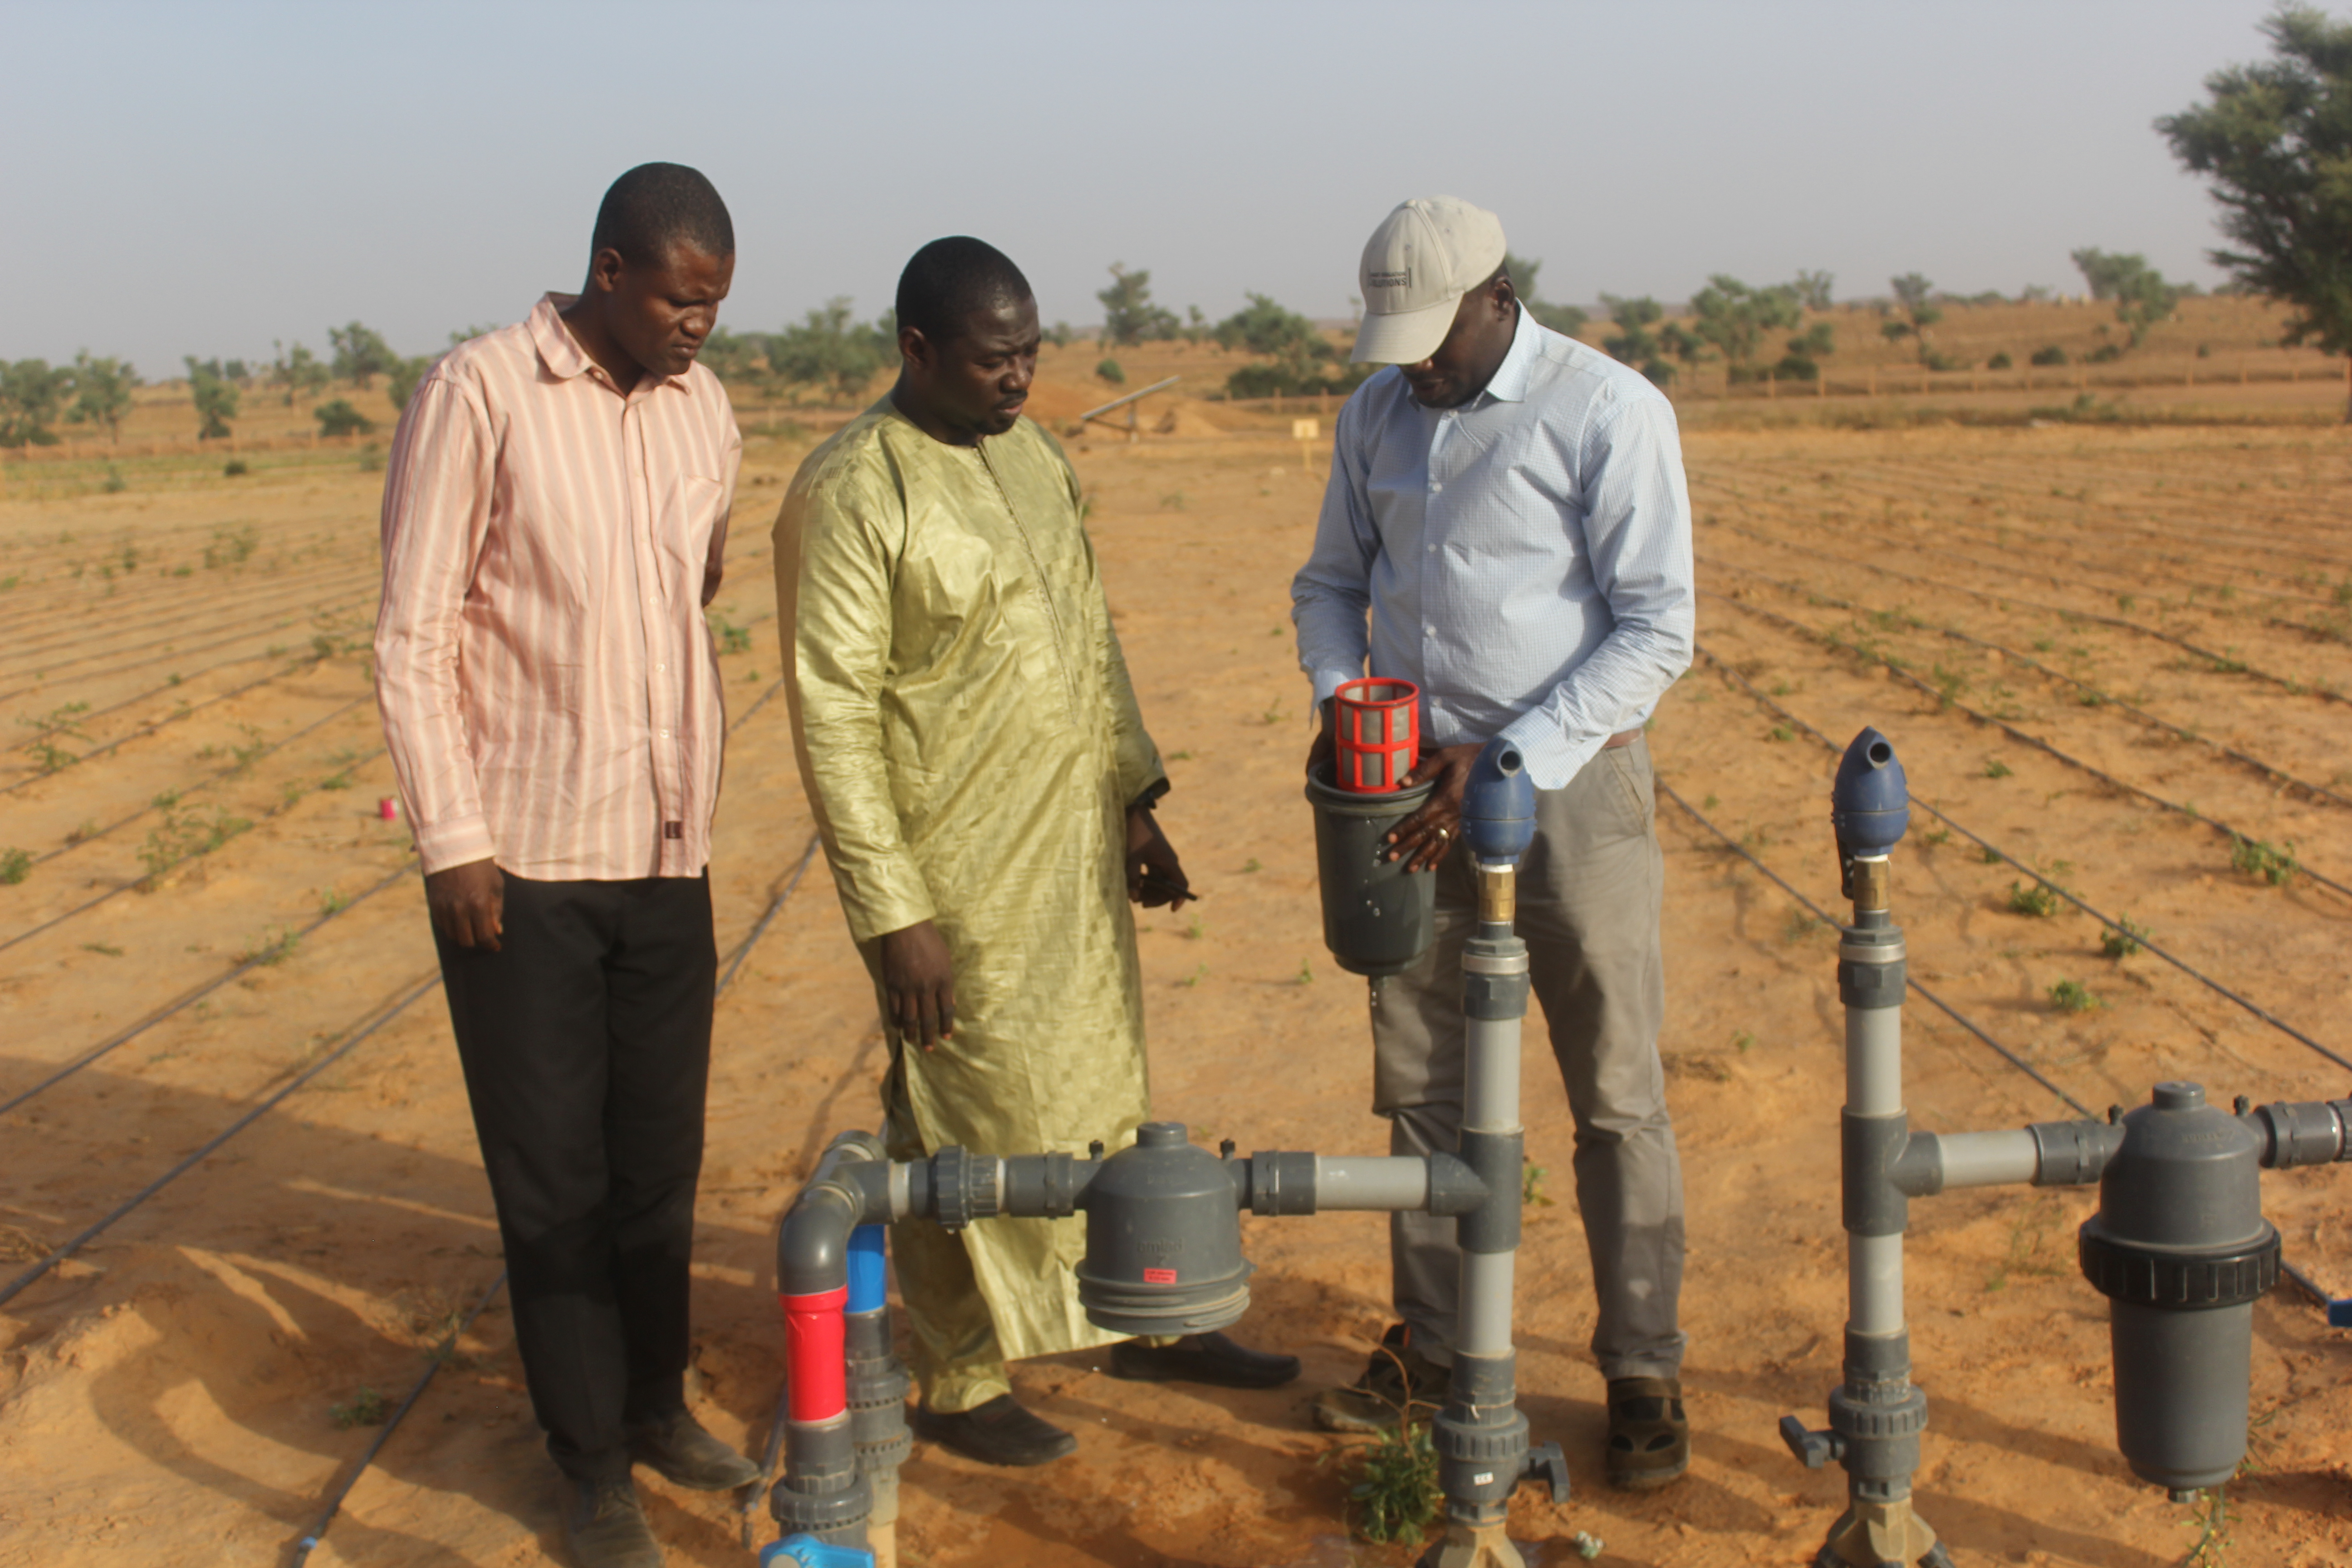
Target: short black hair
{"type": "Point", "coordinates": [656, 206]}
{"type": "Point", "coordinates": [949, 279]}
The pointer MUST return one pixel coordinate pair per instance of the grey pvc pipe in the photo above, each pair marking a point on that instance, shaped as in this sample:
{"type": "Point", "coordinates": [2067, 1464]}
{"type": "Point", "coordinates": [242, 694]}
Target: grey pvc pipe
{"type": "Point", "coordinates": [1388, 1182]}
{"type": "Point", "coordinates": [1490, 1090]}
{"type": "Point", "coordinates": [1873, 1060]}
{"type": "Point", "coordinates": [1483, 1327]}
{"type": "Point", "coordinates": [1874, 1283]}
{"type": "Point", "coordinates": [1989, 1159]}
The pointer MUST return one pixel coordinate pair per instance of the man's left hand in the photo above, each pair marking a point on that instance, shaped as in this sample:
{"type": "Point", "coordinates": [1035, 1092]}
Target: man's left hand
{"type": "Point", "coordinates": [1155, 878]}
{"type": "Point", "coordinates": [1422, 839]}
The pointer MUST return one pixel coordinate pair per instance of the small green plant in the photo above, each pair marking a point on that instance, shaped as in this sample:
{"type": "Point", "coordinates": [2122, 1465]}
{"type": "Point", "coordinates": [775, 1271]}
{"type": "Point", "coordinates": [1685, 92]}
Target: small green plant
{"type": "Point", "coordinates": [331, 902]}
{"type": "Point", "coordinates": [730, 637]}
{"type": "Point", "coordinates": [1251, 865]}
{"type": "Point", "coordinates": [1194, 930]}
{"type": "Point", "coordinates": [229, 549]}
{"type": "Point", "coordinates": [114, 484]}
{"type": "Point", "coordinates": [255, 747]}
{"type": "Point", "coordinates": [2122, 942]}
{"type": "Point", "coordinates": [2259, 858]}
{"type": "Point", "coordinates": [15, 865]}
{"type": "Point", "coordinates": [1272, 715]}
{"type": "Point", "coordinates": [1531, 1184]}
{"type": "Point", "coordinates": [1742, 1041]}
{"type": "Point", "coordinates": [1306, 973]}
{"type": "Point", "coordinates": [276, 945]}
{"type": "Point", "coordinates": [337, 781]}
{"type": "Point", "coordinates": [1174, 502]}
{"type": "Point", "coordinates": [1109, 370]}
{"type": "Point", "coordinates": [1780, 733]}
{"type": "Point", "coordinates": [1395, 1491]}
{"type": "Point", "coordinates": [235, 469]}
{"type": "Point", "coordinates": [1198, 974]}
{"type": "Point", "coordinates": [2072, 996]}
{"type": "Point", "coordinates": [183, 836]}
{"type": "Point", "coordinates": [2209, 1519]}
{"type": "Point", "coordinates": [1997, 769]}
{"type": "Point", "coordinates": [2035, 899]}
{"type": "Point", "coordinates": [47, 755]}
{"type": "Point", "coordinates": [1711, 802]}
{"type": "Point", "coordinates": [365, 1408]}
{"type": "Point", "coordinates": [1989, 855]}
{"type": "Point", "coordinates": [105, 950]}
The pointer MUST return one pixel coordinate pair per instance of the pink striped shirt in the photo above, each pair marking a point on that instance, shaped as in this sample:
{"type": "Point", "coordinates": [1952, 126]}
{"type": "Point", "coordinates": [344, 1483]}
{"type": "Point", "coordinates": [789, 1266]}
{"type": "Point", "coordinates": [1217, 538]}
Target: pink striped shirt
{"type": "Point", "coordinates": [550, 690]}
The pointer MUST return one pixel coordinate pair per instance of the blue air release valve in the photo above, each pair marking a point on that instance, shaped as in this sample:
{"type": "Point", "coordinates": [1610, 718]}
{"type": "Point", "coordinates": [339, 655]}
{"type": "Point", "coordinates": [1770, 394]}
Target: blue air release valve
{"type": "Point", "coordinates": [807, 1551]}
{"type": "Point", "coordinates": [1498, 808]}
{"type": "Point", "coordinates": [1870, 806]}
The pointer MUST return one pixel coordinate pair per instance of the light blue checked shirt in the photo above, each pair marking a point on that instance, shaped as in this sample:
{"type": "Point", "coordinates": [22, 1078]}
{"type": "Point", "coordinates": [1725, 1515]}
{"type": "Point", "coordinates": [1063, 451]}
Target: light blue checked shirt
{"type": "Point", "coordinates": [1525, 559]}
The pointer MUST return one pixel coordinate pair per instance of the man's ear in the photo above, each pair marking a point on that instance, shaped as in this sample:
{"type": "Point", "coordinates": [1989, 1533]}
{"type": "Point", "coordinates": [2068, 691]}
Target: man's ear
{"type": "Point", "coordinates": [604, 270]}
{"type": "Point", "coordinates": [915, 348]}
{"type": "Point", "coordinates": [1505, 292]}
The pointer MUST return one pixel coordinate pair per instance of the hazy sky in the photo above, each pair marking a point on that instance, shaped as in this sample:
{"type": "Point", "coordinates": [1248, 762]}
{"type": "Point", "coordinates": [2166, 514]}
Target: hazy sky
{"type": "Point", "coordinates": [203, 179]}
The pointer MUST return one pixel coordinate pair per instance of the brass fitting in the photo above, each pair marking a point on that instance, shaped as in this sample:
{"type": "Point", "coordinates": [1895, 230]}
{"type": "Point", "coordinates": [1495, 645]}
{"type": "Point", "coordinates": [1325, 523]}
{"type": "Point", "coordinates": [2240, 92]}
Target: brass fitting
{"type": "Point", "coordinates": [1871, 883]}
{"type": "Point", "coordinates": [1498, 894]}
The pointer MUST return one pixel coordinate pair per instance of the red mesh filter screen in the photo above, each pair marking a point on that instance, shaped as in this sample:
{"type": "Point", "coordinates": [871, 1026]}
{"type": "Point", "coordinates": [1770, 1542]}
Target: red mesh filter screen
{"type": "Point", "coordinates": [1377, 725]}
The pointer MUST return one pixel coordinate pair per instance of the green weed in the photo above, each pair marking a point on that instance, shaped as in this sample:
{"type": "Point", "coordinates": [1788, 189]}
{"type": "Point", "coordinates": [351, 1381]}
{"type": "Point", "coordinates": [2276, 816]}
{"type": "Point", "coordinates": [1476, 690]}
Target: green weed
{"type": "Point", "coordinates": [332, 903]}
{"type": "Point", "coordinates": [1306, 974]}
{"type": "Point", "coordinates": [365, 1408]}
{"type": "Point", "coordinates": [2210, 1517]}
{"type": "Point", "coordinates": [103, 949]}
{"type": "Point", "coordinates": [185, 836]}
{"type": "Point", "coordinates": [2033, 899]}
{"type": "Point", "coordinates": [1395, 1492]}
{"type": "Point", "coordinates": [229, 549]}
{"type": "Point", "coordinates": [730, 637]}
{"type": "Point", "coordinates": [15, 865]}
{"type": "Point", "coordinates": [1997, 769]}
{"type": "Point", "coordinates": [1250, 865]}
{"type": "Point", "coordinates": [2259, 857]}
{"type": "Point", "coordinates": [2124, 943]}
{"type": "Point", "coordinates": [1531, 1186]}
{"type": "Point", "coordinates": [2072, 996]}
{"type": "Point", "coordinates": [276, 945]}
{"type": "Point", "coordinates": [1781, 732]}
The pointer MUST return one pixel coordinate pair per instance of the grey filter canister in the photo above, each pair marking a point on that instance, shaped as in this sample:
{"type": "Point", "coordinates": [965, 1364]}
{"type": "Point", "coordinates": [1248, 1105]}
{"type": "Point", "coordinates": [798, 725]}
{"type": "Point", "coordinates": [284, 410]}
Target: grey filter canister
{"type": "Point", "coordinates": [2180, 1249]}
{"type": "Point", "coordinates": [1378, 917]}
{"type": "Point", "coordinates": [1163, 1239]}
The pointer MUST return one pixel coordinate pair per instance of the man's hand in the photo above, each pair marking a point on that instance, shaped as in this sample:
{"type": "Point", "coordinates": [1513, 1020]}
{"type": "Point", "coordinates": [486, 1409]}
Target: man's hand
{"type": "Point", "coordinates": [919, 978]}
{"type": "Point", "coordinates": [1155, 878]}
{"type": "Point", "coordinates": [468, 903]}
{"type": "Point", "coordinates": [1422, 839]}
{"type": "Point", "coordinates": [1325, 747]}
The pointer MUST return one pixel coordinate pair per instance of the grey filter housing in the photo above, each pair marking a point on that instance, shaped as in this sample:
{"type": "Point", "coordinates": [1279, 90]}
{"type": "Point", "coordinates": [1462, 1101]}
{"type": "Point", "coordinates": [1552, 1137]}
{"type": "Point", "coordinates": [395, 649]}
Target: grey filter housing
{"type": "Point", "coordinates": [1163, 1239]}
{"type": "Point", "coordinates": [2180, 1249]}
{"type": "Point", "coordinates": [1378, 917]}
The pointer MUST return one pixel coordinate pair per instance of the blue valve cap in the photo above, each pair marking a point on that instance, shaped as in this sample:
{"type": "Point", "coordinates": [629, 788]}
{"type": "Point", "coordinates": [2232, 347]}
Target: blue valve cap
{"type": "Point", "coordinates": [808, 1552]}
{"type": "Point", "coordinates": [1870, 804]}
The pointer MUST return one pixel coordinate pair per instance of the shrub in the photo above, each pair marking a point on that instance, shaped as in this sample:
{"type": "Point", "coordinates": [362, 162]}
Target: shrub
{"type": "Point", "coordinates": [1397, 1487]}
{"type": "Point", "coordinates": [2259, 857]}
{"type": "Point", "coordinates": [2122, 943]}
{"type": "Point", "coordinates": [2037, 900]}
{"type": "Point", "coordinates": [15, 865]}
{"type": "Point", "coordinates": [2072, 996]}
{"type": "Point", "coordinates": [1109, 370]}
{"type": "Point", "coordinates": [114, 484]}
{"type": "Point", "coordinates": [2106, 353]}
{"type": "Point", "coordinates": [339, 418]}
{"type": "Point", "coordinates": [2000, 361]}
{"type": "Point", "coordinates": [365, 1408]}
{"type": "Point", "coordinates": [2049, 353]}
{"type": "Point", "coordinates": [235, 469]}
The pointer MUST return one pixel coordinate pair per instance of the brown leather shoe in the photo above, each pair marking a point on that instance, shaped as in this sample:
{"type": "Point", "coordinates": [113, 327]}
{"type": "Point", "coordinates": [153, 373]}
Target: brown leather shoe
{"type": "Point", "coordinates": [677, 1449]}
{"type": "Point", "coordinates": [605, 1527]}
{"type": "Point", "coordinates": [1211, 1359]}
{"type": "Point", "coordinates": [997, 1433]}
{"type": "Point", "coordinates": [1400, 1385]}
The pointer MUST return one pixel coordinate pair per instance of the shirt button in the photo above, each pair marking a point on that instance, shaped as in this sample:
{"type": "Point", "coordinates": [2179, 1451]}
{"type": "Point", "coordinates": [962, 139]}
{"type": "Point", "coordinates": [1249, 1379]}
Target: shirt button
{"type": "Point", "coordinates": [1434, 487]}
{"type": "Point", "coordinates": [1431, 548]}
{"type": "Point", "coordinates": [1429, 631]}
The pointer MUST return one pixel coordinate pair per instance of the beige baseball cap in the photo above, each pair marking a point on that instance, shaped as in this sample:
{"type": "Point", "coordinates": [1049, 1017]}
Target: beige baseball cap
{"type": "Point", "coordinates": [1420, 263]}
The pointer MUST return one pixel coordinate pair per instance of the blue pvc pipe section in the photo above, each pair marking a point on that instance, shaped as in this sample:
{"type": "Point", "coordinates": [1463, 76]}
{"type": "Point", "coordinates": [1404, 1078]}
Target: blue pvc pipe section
{"type": "Point", "coordinates": [869, 1270]}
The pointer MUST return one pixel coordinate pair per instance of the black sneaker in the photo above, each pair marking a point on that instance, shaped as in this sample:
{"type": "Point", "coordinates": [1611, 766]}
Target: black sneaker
{"type": "Point", "coordinates": [677, 1449]}
{"type": "Point", "coordinates": [997, 1433]}
{"type": "Point", "coordinates": [1211, 1359]}
{"type": "Point", "coordinates": [1398, 1384]}
{"type": "Point", "coordinates": [605, 1527]}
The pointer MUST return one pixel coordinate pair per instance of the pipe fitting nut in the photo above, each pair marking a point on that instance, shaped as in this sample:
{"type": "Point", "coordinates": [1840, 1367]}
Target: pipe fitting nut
{"type": "Point", "coordinates": [963, 1187]}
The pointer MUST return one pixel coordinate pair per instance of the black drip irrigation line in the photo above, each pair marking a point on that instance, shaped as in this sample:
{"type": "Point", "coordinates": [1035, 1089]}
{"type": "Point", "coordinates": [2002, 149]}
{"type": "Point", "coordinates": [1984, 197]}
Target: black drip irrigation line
{"type": "Point", "coordinates": [187, 999]}
{"type": "Point", "coordinates": [2129, 934]}
{"type": "Point", "coordinates": [310, 1543]}
{"type": "Point", "coordinates": [2309, 1285]}
{"type": "Point", "coordinates": [433, 1364]}
{"type": "Point", "coordinates": [1814, 909]}
{"type": "Point", "coordinates": [43, 674]}
{"type": "Point", "coordinates": [117, 891]}
{"type": "Point", "coordinates": [2098, 698]}
{"type": "Point", "coordinates": [190, 711]}
{"type": "Point", "coordinates": [8, 1293]}
{"type": "Point", "coordinates": [2223, 663]}
{"type": "Point", "coordinates": [1896, 668]}
{"type": "Point", "coordinates": [201, 785]}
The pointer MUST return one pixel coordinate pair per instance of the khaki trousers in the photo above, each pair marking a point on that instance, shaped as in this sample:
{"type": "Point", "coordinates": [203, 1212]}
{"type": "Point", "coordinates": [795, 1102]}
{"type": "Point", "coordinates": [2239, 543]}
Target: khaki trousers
{"type": "Point", "coordinates": [1589, 895]}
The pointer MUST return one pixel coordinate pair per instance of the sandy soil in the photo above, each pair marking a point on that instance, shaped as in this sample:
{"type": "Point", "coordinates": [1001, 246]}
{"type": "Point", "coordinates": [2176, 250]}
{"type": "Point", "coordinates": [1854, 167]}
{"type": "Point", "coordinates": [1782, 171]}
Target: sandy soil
{"type": "Point", "coordinates": [171, 1390]}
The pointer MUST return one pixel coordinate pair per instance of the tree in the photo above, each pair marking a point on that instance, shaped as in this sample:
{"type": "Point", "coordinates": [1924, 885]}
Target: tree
{"type": "Point", "coordinates": [1634, 342]}
{"type": "Point", "coordinates": [2276, 141]}
{"type": "Point", "coordinates": [1806, 351]}
{"type": "Point", "coordinates": [1565, 319]}
{"type": "Point", "coordinates": [297, 370]}
{"type": "Point", "coordinates": [101, 389]}
{"type": "Point", "coordinates": [1812, 290]}
{"type": "Point", "coordinates": [360, 353]}
{"type": "Point", "coordinates": [401, 376]}
{"type": "Point", "coordinates": [732, 357]}
{"type": "Point", "coordinates": [1914, 296]}
{"type": "Point", "coordinates": [1304, 361]}
{"type": "Point", "coordinates": [1128, 315]}
{"type": "Point", "coordinates": [30, 392]}
{"type": "Point", "coordinates": [1734, 318]}
{"type": "Point", "coordinates": [831, 350]}
{"type": "Point", "coordinates": [2142, 297]}
{"type": "Point", "coordinates": [215, 397]}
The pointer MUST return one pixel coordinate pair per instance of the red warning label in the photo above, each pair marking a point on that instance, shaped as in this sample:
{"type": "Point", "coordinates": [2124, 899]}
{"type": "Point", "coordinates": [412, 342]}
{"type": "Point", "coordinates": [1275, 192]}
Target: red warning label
{"type": "Point", "coordinates": [1160, 1277]}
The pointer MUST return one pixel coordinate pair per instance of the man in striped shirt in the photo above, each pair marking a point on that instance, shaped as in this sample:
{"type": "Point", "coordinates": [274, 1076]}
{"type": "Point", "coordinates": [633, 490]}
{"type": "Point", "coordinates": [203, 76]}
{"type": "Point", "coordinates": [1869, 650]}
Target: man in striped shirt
{"type": "Point", "coordinates": [554, 522]}
{"type": "Point", "coordinates": [1507, 510]}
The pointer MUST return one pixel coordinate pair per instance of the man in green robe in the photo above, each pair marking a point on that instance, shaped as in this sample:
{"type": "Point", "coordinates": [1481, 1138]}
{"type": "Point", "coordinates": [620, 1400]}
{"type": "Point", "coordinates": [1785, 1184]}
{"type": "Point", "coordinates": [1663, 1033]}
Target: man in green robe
{"type": "Point", "coordinates": [984, 786]}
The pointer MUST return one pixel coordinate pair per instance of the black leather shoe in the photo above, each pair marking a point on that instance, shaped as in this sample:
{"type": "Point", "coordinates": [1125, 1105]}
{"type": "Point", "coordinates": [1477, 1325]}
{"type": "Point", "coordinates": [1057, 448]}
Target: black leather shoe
{"type": "Point", "coordinates": [677, 1449]}
{"type": "Point", "coordinates": [1211, 1359]}
{"type": "Point", "coordinates": [998, 1433]}
{"type": "Point", "coordinates": [605, 1528]}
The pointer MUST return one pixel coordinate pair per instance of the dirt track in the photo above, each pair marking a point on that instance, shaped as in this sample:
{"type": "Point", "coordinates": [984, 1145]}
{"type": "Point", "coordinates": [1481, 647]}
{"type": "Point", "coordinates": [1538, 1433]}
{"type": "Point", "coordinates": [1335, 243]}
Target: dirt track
{"type": "Point", "coordinates": [169, 1390]}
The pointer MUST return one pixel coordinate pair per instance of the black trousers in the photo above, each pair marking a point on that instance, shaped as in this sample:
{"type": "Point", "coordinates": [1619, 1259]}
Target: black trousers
{"type": "Point", "coordinates": [586, 1044]}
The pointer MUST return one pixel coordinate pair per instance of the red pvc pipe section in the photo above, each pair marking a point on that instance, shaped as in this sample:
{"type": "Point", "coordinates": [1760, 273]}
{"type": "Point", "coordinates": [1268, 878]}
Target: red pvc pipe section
{"type": "Point", "coordinates": [815, 1354]}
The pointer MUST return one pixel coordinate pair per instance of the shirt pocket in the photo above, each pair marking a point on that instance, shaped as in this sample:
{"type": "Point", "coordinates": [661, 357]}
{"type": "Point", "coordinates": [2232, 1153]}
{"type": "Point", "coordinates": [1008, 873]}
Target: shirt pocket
{"type": "Point", "coordinates": [689, 513]}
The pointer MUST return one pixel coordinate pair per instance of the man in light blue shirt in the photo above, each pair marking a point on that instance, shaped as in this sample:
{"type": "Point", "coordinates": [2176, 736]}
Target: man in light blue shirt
{"type": "Point", "coordinates": [1507, 511]}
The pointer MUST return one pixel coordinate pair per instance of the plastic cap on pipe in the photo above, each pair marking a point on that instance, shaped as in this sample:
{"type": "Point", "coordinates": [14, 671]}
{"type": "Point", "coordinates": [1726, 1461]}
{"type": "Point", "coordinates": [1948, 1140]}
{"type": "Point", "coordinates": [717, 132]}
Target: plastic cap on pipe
{"type": "Point", "coordinates": [1870, 804]}
{"type": "Point", "coordinates": [1499, 807]}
